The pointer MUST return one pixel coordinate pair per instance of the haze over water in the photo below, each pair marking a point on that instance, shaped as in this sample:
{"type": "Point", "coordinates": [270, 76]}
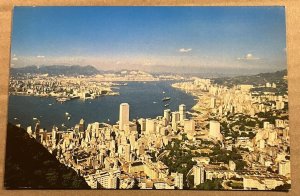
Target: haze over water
{"type": "Point", "coordinates": [140, 96]}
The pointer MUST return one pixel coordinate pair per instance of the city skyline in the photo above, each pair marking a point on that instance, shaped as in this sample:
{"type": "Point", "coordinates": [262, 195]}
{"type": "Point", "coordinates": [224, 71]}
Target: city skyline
{"type": "Point", "coordinates": [233, 138]}
{"type": "Point", "coordinates": [194, 39]}
{"type": "Point", "coordinates": [195, 98]}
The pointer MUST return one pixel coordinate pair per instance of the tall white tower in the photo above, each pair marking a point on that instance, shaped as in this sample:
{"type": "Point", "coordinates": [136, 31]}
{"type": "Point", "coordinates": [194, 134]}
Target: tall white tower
{"type": "Point", "coordinates": [182, 112]}
{"type": "Point", "coordinates": [212, 102]}
{"type": "Point", "coordinates": [215, 130]}
{"type": "Point", "coordinates": [124, 115]}
{"type": "Point", "coordinates": [175, 119]}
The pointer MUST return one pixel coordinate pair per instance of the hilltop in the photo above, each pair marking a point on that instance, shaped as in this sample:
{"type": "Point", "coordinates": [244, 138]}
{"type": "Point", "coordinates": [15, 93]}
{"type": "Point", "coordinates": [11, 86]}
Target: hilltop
{"type": "Point", "coordinates": [56, 70]}
{"type": "Point", "coordinates": [29, 165]}
{"type": "Point", "coordinates": [258, 79]}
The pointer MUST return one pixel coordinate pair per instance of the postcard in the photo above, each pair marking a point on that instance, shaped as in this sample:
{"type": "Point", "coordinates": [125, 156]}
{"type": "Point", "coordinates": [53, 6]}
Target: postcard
{"type": "Point", "coordinates": [148, 98]}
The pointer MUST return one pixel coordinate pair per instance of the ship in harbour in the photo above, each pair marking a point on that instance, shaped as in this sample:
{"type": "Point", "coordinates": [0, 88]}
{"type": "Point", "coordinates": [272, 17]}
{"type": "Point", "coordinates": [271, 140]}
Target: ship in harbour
{"type": "Point", "coordinates": [166, 98]}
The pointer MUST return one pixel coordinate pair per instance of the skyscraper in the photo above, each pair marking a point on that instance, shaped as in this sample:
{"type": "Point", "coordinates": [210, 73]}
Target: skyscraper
{"type": "Point", "coordinates": [215, 130]}
{"type": "Point", "coordinates": [189, 125]}
{"type": "Point", "coordinates": [127, 154]}
{"type": "Point", "coordinates": [54, 132]}
{"type": "Point", "coordinates": [212, 102]}
{"type": "Point", "coordinates": [182, 112]}
{"type": "Point", "coordinates": [142, 123]}
{"type": "Point", "coordinates": [81, 125]}
{"type": "Point", "coordinates": [124, 115]}
{"type": "Point", "coordinates": [199, 174]}
{"type": "Point", "coordinates": [175, 119]}
{"type": "Point", "coordinates": [167, 115]}
{"type": "Point", "coordinates": [150, 126]}
{"type": "Point", "coordinates": [37, 131]}
{"type": "Point", "coordinates": [284, 168]}
{"type": "Point", "coordinates": [178, 179]}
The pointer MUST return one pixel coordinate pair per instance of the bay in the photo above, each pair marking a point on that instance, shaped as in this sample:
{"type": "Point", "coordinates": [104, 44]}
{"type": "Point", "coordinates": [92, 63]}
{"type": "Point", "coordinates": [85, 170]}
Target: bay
{"type": "Point", "coordinates": [145, 100]}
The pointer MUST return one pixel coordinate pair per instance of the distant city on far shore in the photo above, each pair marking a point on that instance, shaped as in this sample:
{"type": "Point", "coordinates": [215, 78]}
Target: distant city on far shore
{"type": "Point", "coordinates": [192, 98]}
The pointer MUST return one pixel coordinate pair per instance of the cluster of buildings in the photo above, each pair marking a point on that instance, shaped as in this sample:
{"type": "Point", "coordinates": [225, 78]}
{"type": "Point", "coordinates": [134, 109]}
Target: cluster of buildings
{"type": "Point", "coordinates": [121, 155]}
{"type": "Point", "coordinates": [62, 88]}
{"type": "Point", "coordinates": [127, 155]}
{"type": "Point", "coordinates": [266, 154]}
{"type": "Point", "coordinates": [65, 88]}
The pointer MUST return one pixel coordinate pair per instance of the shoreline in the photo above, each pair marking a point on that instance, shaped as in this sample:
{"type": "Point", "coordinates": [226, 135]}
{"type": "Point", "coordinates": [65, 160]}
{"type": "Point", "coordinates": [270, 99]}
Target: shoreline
{"type": "Point", "coordinates": [104, 114]}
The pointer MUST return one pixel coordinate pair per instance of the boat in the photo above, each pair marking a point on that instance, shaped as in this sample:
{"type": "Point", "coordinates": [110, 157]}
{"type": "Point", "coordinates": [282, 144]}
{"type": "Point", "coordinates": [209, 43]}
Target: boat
{"type": "Point", "coordinates": [67, 113]}
{"type": "Point", "coordinates": [34, 118]}
{"type": "Point", "coordinates": [62, 99]}
{"type": "Point", "coordinates": [15, 118]}
{"type": "Point", "coordinates": [154, 102]}
{"type": "Point", "coordinates": [62, 125]}
{"type": "Point", "coordinates": [164, 92]}
{"type": "Point", "coordinates": [166, 98]}
{"type": "Point", "coordinates": [69, 117]}
{"type": "Point", "coordinates": [108, 120]}
{"type": "Point", "coordinates": [166, 105]}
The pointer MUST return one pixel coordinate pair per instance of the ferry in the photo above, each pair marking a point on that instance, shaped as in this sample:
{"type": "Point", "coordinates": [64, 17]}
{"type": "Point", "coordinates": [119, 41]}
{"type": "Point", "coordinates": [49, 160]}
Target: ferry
{"type": "Point", "coordinates": [166, 98]}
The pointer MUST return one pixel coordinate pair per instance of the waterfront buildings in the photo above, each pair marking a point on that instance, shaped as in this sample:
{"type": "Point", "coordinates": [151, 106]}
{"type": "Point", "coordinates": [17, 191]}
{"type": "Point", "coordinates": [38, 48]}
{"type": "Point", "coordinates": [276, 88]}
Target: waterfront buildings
{"type": "Point", "coordinates": [228, 139]}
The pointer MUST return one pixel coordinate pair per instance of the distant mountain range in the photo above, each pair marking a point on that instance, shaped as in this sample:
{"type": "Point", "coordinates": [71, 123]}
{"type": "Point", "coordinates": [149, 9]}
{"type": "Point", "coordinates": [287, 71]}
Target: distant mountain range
{"type": "Point", "coordinates": [258, 79]}
{"type": "Point", "coordinates": [88, 70]}
{"type": "Point", "coordinates": [56, 70]}
{"type": "Point", "coordinates": [28, 165]}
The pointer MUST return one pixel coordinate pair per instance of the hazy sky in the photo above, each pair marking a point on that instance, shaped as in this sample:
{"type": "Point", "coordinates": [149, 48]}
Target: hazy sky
{"type": "Point", "coordinates": [191, 38]}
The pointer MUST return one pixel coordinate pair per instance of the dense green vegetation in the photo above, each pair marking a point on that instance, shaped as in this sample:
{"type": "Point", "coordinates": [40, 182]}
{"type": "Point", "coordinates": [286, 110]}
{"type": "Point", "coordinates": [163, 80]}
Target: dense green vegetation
{"type": "Point", "coordinates": [236, 184]}
{"type": "Point", "coordinates": [29, 165]}
{"type": "Point", "coordinates": [178, 160]}
{"type": "Point", "coordinates": [214, 184]}
{"type": "Point", "coordinates": [271, 116]}
{"type": "Point", "coordinates": [284, 187]}
{"type": "Point", "coordinates": [245, 124]}
{"type": "Point", "coordinates": [222, 155]}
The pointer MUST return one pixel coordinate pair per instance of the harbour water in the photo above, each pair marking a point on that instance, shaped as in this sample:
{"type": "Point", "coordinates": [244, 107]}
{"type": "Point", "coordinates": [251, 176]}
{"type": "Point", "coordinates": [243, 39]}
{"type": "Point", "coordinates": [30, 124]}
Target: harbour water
{"type": "Point", "coordinates": [145, 100]}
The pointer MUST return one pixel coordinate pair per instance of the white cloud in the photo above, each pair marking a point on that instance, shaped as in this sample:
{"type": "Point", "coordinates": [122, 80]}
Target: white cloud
{"type": "Point", "coordinates": [248, 57]}
{"type": "Point", "coordinates": [39, 56]}
{"type": "Point", "coordinates": [185, 50]}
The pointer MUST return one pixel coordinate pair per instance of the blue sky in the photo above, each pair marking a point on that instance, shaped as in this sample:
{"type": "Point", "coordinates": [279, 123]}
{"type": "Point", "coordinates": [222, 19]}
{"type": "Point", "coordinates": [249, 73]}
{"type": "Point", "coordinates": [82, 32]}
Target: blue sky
{"type": "Point", "coordinates": [197, 38]}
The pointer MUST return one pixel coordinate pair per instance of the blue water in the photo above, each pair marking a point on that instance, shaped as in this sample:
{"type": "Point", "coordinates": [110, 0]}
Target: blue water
{"type": "Point", "coordinates": [140, 97]}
